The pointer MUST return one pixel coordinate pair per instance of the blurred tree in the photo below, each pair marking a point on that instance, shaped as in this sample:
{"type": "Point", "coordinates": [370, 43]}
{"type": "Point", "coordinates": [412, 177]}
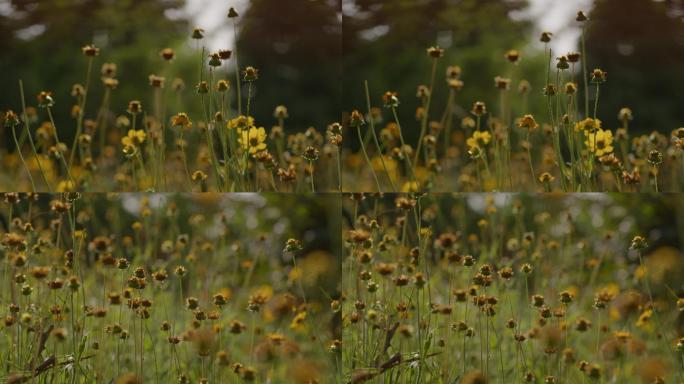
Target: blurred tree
{"type": "Point", "coordinates": [296, 45]}
{"type": "Point", "coordinates": [42, 42]}
{"type": "Point", "coordinates": [640, 43]}
{"type": "Point", "coordinates": [385, 42]}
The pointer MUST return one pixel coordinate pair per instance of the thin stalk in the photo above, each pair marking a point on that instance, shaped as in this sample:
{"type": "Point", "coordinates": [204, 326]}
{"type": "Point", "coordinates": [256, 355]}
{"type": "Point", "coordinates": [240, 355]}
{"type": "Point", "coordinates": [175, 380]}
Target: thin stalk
{"type": "Point", "coordinates": [375, 137]}
{"type": "Point", "coordinates": [61, 156]}
{"type": "Point", "coordinates": [365, 154]}
{"type": "Point", "coordinates": [28, 132]}
{"type": "Point", "coordinates": [424, 120]}
{"type": "Point", "coordinates": [21, 156]}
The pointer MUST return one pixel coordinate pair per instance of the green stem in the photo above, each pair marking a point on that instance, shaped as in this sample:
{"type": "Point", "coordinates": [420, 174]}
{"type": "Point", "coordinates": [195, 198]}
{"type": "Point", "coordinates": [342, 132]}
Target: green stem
{"type": "Point", "coordinates": [424, 120]}
{"type": "Point", "coordinates": [365, 154]}
{"type": "Point", "coordinates": [28, 132]}
{"type": "Point", "coordinates": [21, 156]}
{"type": "Point", "coordinates": [375, 137]}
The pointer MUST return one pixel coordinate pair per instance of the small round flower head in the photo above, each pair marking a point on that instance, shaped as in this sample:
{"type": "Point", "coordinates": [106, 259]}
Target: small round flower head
{"type": "Point", "coordinates": [310, 153]}
{"type": "Point", "coordinates": [250, 74]}
{"type": "Point", "coordinates": [202, 87]}
{"type": "Point", "coordinates": [280, 112]}
{"type": "Point", "coordinates": [655, 157]}
{"type": "Point", "coordinates": [225, 54]}
{"type": "Point", "coordinates": [573, 57]}
{"type": "Point", "coordinates": [599, 76]}
{"type": "Point", "coordinates": [390, 99]}
{"type": "Point", "coordinates": [562, 63]}
{"type": "Point", "coordinates": [570, 88]}
{"type": "Point", "coordinates": [479, 108]}
{"type": "Point", "coordinates": [435, 52]}
{"type": "Point", "coordinates": [45, 99]}
{"type": "Point", "coordinates": [292, 245]}
{"type": "Point", "coordinates": [198, 33]}
{"type": "Point", "coordinates": [199, 176]}
{"type": "Point", "coordinates": [181, 120]}
{"type": "Point", "coordinates": [502, 83]}
{"type": "Point", "coordinates": [11, 119]}
{"type": "Point", "coordinates": [453, 72]}
{"type": "Point", "coordinates": [545, 37]}
{"type": "Point", "coordinates": [528, 122]}
{"type": "Point", "coordinates": [214, 60]}
{"type": "Point", "coordinates": [513, 56]}
{"type": "Point", "coordinates": [550, 90]}
{"type": "Point", "coordinates": [134, 107]}
{"type": "Point", "coordinates": [90, 50]}
{"type": "Point", "coordinates": [167, 54]}
{"type": "Point", "coordinates": [222, 85]}
{"type": "Point", "coordinates": [581, 17]}
{"type": "Point", "coordinates": [156, 81]}
{"type": "Point", "coordinates": [356, 120]}
{"type": "Point", "coordinates": [625, 114]}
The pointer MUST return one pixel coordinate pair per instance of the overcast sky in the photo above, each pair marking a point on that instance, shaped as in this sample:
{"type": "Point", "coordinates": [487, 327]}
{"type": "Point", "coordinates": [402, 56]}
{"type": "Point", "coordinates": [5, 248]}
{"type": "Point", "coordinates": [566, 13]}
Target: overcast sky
{"type": "Point", "coordinates": [556, 16]}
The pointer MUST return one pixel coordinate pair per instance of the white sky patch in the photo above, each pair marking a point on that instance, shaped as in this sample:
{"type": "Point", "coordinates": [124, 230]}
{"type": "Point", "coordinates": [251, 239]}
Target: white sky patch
{"type": "Point", "coordinates": [211, 15]}
{"type": "Point", "coordinates": [557, 17]}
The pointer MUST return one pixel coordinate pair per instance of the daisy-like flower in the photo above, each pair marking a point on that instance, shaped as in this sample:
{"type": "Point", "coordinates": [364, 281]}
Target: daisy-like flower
{"type": "Point", "coordinates": [588, 125]}
{"type": "Point", "coordinates": [241, 122]}
{"type": "Point", "coordinates": [479, 139]}
{"type": "Point", "coordinates": [252, 139]}
{"type": "Point", "coordinates": [132, 140]}
{"type": "Point", "coordinates": [528, 122]}
{"type": "Point", "coordinates": [600, 142]}
{"type": "Point", "coordinates": [181, 120]}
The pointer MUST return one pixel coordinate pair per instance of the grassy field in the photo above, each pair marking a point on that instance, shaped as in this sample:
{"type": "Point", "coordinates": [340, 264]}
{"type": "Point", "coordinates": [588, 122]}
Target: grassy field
{"type": "Point", "coordinates": [168, 288]}
{"type": "Point", "coordinates": [155, 144]}
{"type": "Point", "coordinates": [510, 288]}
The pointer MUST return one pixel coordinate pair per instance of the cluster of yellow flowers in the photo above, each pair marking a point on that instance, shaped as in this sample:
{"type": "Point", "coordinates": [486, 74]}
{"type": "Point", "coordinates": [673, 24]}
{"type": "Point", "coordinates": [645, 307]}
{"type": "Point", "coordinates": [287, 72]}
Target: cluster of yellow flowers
{"type": "Point", "coordinates": [132, 140]}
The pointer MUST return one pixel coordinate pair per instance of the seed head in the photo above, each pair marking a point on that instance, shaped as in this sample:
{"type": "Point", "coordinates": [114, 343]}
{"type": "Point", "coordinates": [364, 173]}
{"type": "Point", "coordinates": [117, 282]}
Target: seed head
{"type": "Point", "coordinates": [198, 33]}
{"type": "Point", "coordinates": [435, 52]}
{"type": "Point", "coordinates": [45, 99]}
{"type": "Point", "coordinates": [250, 74]}
{"type": "Point", "coordinates": [598, 76]}
{"type": "Point", "coordinates": [390, 99]}
{"type": "Point", "coordinates": [167, 54]}
{"type": "Point", "coordinates": [222, 85]}
{"type": "Point", "coordinates": [479, 108]}
{"type": "Point", "coordinates": [512, 56]}
{"type": "Point", "coordinates": [214, 60]}
{"type": "Point", "coordinates": [90, 50]}
{"type": "Point", "coordinates": [356, 119]}
{"type": "Point", "coordinates": [134, 107]}
{"type": "Point", "coordinates": [581, 17]}
{"type": "Point", "coordinates": [11, 119]}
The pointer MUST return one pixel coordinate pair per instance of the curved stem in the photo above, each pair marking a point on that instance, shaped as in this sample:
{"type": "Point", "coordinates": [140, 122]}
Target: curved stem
{"type": "Point", "coordinates": [21, 156]}
{"type": "Point", "coordinates": [365, 154]}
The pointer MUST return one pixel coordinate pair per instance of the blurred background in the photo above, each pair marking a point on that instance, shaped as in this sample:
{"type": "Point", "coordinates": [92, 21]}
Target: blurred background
{"type": "Point", "coordinates": [295, 44]}
{"type": "Point", "coordinates": [313, 55]}
{"type": "Point", "coordinates": [640, 43]}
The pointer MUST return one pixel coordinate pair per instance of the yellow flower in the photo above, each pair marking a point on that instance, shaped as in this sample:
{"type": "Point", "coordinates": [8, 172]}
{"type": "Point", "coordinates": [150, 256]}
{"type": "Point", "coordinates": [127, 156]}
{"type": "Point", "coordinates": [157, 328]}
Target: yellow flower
{"type": "Point", "coordinates": [599, 142]}
{"type": "Point", "coordinates": [528, 122]}
{"type": "Point", "coordinates": [644, 321]}
{"type": "Point", "coordinates": [241, 122]}
{"type": "Point", "coordinates": [252, 139]}
{"type": "Point", "coordinates": [479, 139]}
{"type": "Point", "coordinates": [588, 124]}
{"type": "Point", "coordinates": [299, 322]}
{"type": "Point", "coordinates": [181, 120]}
{"type": "Point", "coordinates": [133, 138]}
